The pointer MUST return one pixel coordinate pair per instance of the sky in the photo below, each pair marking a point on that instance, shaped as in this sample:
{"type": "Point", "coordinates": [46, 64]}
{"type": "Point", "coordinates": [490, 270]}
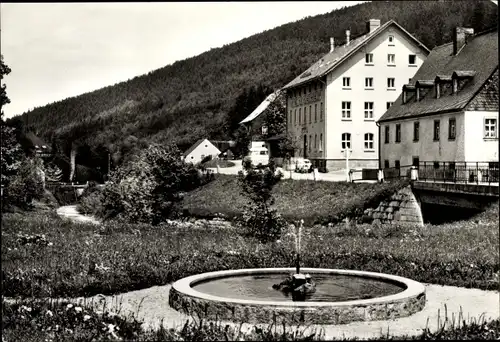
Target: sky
{"type": "Point", "coordinates": [60, 50]}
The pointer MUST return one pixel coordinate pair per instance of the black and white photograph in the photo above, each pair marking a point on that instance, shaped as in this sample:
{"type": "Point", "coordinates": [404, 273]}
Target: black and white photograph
{"type": "Point", "coordinates": [250, 171]}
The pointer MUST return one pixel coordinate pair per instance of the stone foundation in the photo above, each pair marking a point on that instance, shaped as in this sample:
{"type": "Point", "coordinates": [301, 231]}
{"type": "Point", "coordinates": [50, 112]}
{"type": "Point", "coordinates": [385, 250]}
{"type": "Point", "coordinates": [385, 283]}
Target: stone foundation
{"type": "Point", "coordinates": [401, 208]}
{"type": "Point", "coordinates": [337, 164]}
{"type": "Point", "coordinates": [183, 298]}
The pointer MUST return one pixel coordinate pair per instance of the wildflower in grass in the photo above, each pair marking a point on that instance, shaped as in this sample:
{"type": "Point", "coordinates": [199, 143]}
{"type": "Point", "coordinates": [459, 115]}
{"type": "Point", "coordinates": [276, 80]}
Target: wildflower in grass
{"type": "Point", "coordinates": [69, 306]}
{"type": "Point", "coordinates": [49, 313]}
{"type": "Point", "coordinates": [78, 309]}
{"type": "Point", "coordinates": [86, 318]}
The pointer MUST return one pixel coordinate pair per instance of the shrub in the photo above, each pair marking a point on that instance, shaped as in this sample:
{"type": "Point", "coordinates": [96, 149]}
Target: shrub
{"type": "Point", "coordinates": [259, 218]}
{"type": "Point", "coordinates": [150, 187]}
{"type": "Point", "coordinates": [26, 185]}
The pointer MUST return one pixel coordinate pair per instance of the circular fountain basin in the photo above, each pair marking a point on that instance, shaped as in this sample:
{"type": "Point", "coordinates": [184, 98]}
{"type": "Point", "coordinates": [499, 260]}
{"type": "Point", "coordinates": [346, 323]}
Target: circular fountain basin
{"type": "Point", "coordinates": [341, 296]}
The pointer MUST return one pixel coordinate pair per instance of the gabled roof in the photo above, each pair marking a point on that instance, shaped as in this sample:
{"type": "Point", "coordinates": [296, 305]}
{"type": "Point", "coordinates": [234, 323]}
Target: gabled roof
{"type": "Point", "coordinates": [335, 58]}
{"type": "Point", "coordinates": [476, 62]}
{"type": "Point", "coordinates": [262, 107]}
{"type": "Point", "coordinates": [37, 142]}
{"type": "Point", "coordinates": [195, 145]}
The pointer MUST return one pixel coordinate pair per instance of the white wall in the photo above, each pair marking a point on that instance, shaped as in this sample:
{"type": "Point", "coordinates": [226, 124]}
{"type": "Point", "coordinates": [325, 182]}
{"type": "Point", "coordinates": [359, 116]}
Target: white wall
{"type": "Point", "coordinates": [357, 70]}
{"type": "Point", "coordinates": [426, 149]}
{"type": "Point", "coordinates": [477, 147]}
{"type": "Point", "coordinates": [202, 150]}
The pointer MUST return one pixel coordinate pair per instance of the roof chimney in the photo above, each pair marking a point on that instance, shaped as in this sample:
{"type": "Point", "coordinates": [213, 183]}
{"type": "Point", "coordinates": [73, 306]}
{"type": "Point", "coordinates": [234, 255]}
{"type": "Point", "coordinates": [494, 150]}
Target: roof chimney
{"type": "Point", "coordinates": [372, 25]}
{"type": "Point", "coordinates": [347, 37]}
{"type": "Point", "coordinates": [460, 36]}
{"type": "Point", "coordinates": [332, 46]}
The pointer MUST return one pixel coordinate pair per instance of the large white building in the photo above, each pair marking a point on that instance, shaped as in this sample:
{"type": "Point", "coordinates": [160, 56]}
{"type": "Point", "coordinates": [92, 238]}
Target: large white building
{"type": "Point", "coordinates": [333, 105]}
{"type": "Point", "coordinates": [449, 112]}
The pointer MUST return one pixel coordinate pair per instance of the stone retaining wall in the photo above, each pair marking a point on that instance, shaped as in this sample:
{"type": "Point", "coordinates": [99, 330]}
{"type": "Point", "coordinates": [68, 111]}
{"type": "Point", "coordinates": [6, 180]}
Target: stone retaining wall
{"type": "Point", "coordinates": [402, 208]}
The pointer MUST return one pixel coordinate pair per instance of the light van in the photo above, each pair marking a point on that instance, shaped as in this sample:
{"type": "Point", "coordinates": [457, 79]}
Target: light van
{"type": "Point", "coordinates": [259, 156]}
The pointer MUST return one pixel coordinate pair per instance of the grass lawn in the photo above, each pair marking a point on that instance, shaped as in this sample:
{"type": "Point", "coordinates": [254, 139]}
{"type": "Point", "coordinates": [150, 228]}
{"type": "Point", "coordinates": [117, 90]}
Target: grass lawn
{"type": "Point", "coordinates": [43, 255]}
{"type": "Point", "coordinates": [62, 261]}
{"type": "Point", "coordinates": [314, 202]}
{"type": "Point", "coordinates": [221, 162]}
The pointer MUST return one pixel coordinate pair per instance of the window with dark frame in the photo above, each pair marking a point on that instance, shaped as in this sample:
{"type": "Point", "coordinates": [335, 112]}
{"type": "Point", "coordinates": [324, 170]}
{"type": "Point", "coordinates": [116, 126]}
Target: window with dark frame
{"type": "Point", "coordinates": [397, 164]}
{"type": "Point", "coordinates": [368, 110]}
{"type": "Point", "coordinates": [415, 161]}
{"type": "Point", "coordinates": [368, 141]}
{"type": "Point", "coordinates": [412, 59]}
{"type": "Point", "coordinates": [389, 105]}
{"type": "Point", "coordinates": [436, 130]}
{"type": "Point", "coordinates": [346, 141]}
{"type": "Point", "coordinates": [346, 82]}
{"type": "Point", "coordinates": [391, 82]}
{"type": "Point", "coordinates": [315, 112]}
{"type": "Point", "coordinates": [490, 128]}
{"type": "Point", "coordinates": [416, 131]}
{"type": "Point", "coordinates": [368, 82]}
{"type": "Point", "coordinates": [398, 133]}
{"type": "Point", "coordinates": [452, 129]}
{"type": "Point", "coordinates": [386, 164]}
{"type": "Point", "coordinates": [369, 58]}
{"type": "Point", "coordinates": [386, 135]}
{"type": "Point", "coordinates": [346, 109]}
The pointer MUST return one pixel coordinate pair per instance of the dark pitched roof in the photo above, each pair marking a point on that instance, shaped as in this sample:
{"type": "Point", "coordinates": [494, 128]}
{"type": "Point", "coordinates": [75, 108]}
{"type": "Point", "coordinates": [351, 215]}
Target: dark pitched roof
{"type": "Point", "coordinates": [476, 62]}
{"type": "Point", "coordinates": [37, 142]}
{"type": "Point", "coordinates": [333, 59]}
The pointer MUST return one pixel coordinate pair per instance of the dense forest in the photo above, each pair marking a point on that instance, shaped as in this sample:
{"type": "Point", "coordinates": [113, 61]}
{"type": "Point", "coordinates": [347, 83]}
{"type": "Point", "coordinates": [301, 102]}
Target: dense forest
{"type": "Point", "coordinates": [207, 95]}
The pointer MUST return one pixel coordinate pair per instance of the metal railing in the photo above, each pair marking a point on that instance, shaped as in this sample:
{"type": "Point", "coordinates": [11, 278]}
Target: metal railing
{"type": "Point", "coordinates": [403, 171]}
{"type": "Point", "coordinates": [459, 172]}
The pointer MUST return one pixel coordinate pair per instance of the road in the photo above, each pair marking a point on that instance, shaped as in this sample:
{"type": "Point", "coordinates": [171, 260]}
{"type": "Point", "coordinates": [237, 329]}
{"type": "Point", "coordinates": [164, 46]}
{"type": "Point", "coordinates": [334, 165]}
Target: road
{"type": "Point", "coordinates": [332, 176]}
{"type": "Point", "coordinates": [70, 212]}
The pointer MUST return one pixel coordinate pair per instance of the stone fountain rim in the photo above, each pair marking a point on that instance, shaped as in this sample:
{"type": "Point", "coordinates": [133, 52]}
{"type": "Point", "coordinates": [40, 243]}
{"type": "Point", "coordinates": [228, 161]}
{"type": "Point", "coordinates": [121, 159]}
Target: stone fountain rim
{"type": "Point", "coordinates": [412, 289]}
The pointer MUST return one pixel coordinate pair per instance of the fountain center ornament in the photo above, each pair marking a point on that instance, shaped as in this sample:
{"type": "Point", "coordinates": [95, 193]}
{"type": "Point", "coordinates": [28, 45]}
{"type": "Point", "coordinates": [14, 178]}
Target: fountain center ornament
{"type": "Point", "coordinates": [301, 286]}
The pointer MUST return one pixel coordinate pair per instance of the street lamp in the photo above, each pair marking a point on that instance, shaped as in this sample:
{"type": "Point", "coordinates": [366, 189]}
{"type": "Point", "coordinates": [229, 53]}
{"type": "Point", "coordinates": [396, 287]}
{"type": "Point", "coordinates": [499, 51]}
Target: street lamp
{"type": "Point", "coordinates": [347, 153]}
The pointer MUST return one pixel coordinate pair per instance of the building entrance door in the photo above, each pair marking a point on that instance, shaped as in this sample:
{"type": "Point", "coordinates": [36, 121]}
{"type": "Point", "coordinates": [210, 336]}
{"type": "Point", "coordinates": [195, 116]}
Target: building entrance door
{"type": "Point", "coordinates": [305, 145]}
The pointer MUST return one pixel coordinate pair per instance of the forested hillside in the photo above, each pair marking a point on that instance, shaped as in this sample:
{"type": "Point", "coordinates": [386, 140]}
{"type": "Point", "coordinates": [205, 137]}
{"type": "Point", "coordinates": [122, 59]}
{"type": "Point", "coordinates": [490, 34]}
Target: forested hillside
{"type": "Point", "coordinates": [205, 96]}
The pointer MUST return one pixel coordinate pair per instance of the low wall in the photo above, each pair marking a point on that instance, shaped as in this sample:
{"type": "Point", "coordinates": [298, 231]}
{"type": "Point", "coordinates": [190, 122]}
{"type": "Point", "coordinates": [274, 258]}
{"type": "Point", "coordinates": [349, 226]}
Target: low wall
{"type": "Point", "coordinates": [401, 208]}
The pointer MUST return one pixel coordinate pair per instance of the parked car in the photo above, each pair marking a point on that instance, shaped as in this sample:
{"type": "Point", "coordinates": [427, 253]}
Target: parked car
{"type": "Point", "coordinates": [259, 156]}
{"type": "Point", "coordinates": [303, 165]}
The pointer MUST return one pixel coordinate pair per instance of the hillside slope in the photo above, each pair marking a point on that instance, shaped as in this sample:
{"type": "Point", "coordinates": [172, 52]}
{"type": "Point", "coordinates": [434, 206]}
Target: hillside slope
{"type": "Point", "coordinates": [197, 97]}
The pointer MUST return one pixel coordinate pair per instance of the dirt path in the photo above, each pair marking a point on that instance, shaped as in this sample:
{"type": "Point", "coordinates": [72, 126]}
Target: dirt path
{"type": "Point", "coordinates": [70, 212]}
{"type": "Point", "coordinates": [151, 305]}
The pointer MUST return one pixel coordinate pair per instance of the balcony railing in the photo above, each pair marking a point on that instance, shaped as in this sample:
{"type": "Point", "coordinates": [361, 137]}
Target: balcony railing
{"type": "Point", "coordinates": [459, 172]}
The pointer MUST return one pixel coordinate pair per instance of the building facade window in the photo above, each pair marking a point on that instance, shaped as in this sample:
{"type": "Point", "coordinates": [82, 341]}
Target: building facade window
{"type": "Point", "coordinates": [310, 142]}
{"type": "Point", "coordinates": [391, 59]}
{"type": "Point", "coordinates": [389, 105]}
{"type": "Point", "coordinates": [412, 59]}
{"type": "Point", "coordinates": [300, 115]}
{"type": "Point", "coordinates": [397, 164]}
{"type": "Point", "coordinates": [346, 141]}
{"type": "Point", "coordinates": [386, 134]}
{"type": "Point", "coordinates": [305, 115]}
{"type": "Point", "coordinates": [346, 110]}
{"type": "Point", "coordinates": [391, 83]}
{"type": "Point", "coordinates": [416, 131]}
{"type": "Point", "coordinates": [369, 58]}
{"type": "Point", "coordinates": [398, 133]}
{"type": "Point", "coordinates": [315, 112]}
{"type": "Point", "coordinates": [368, 141]}
{"type": "Point", "coordinates": [310, 114]}
{"type": "Point", "coordinates": [415, 161]}
{"type": "Point", "coordinates": [386, 164]}
{"type": "Point", "coordinates": [321, 111]}
{"type": "Point", "coordinates": [436, 130]}
{"type": "Point", "coordinates": [321, 142]}
{"type": "Point", "coordinates": [315, 141]}
{"type": "Point", "coordinates": [295, 117]}
{"type": "Point", "coordinates": [346, 82]}
{"type": "Point", "coordinates": [490, 128]}
{"type": "Point", "coordinates": [452, 129]}
{"type": "Point", "coordinates": [369, 82]}
{"type": "Point", "coordinates": [391, 40]}
{"type": "Point", "coordinates": [368, 110]}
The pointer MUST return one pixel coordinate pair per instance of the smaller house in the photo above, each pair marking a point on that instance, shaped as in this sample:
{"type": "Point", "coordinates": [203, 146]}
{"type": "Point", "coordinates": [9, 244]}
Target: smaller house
{"type": "Point", "coordinates": [448, 113]}
{"type": "Point", "coordinates": [200, 149]}
{"type": "Point", "coordinates": [37, 146]}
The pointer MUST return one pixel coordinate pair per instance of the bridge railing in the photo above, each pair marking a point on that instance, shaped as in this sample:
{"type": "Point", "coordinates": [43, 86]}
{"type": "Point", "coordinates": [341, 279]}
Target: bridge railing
{"type": "Point", "coordinates": [459, 172]}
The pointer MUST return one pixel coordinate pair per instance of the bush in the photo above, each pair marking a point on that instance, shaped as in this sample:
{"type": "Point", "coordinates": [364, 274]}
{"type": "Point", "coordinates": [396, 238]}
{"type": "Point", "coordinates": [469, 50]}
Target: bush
{"type": "Point", "coordinates": [25, 186]}
{"type": "Point", "coordinates": [260, 220]}
{"type": "Point", "coordinates": [150, 188]}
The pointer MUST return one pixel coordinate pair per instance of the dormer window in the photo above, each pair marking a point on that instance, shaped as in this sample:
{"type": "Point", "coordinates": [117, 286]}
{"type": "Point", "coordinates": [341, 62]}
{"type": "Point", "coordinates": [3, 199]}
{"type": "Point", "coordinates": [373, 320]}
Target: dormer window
{"type": "Point", "coordinates": [421, 85]}
{"type": "Point", "coordinates": [439, 81]}
{"type": "Point", "coordinates": [459, 75]}
{"type": "Point", "coordinates": [407, 89]}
